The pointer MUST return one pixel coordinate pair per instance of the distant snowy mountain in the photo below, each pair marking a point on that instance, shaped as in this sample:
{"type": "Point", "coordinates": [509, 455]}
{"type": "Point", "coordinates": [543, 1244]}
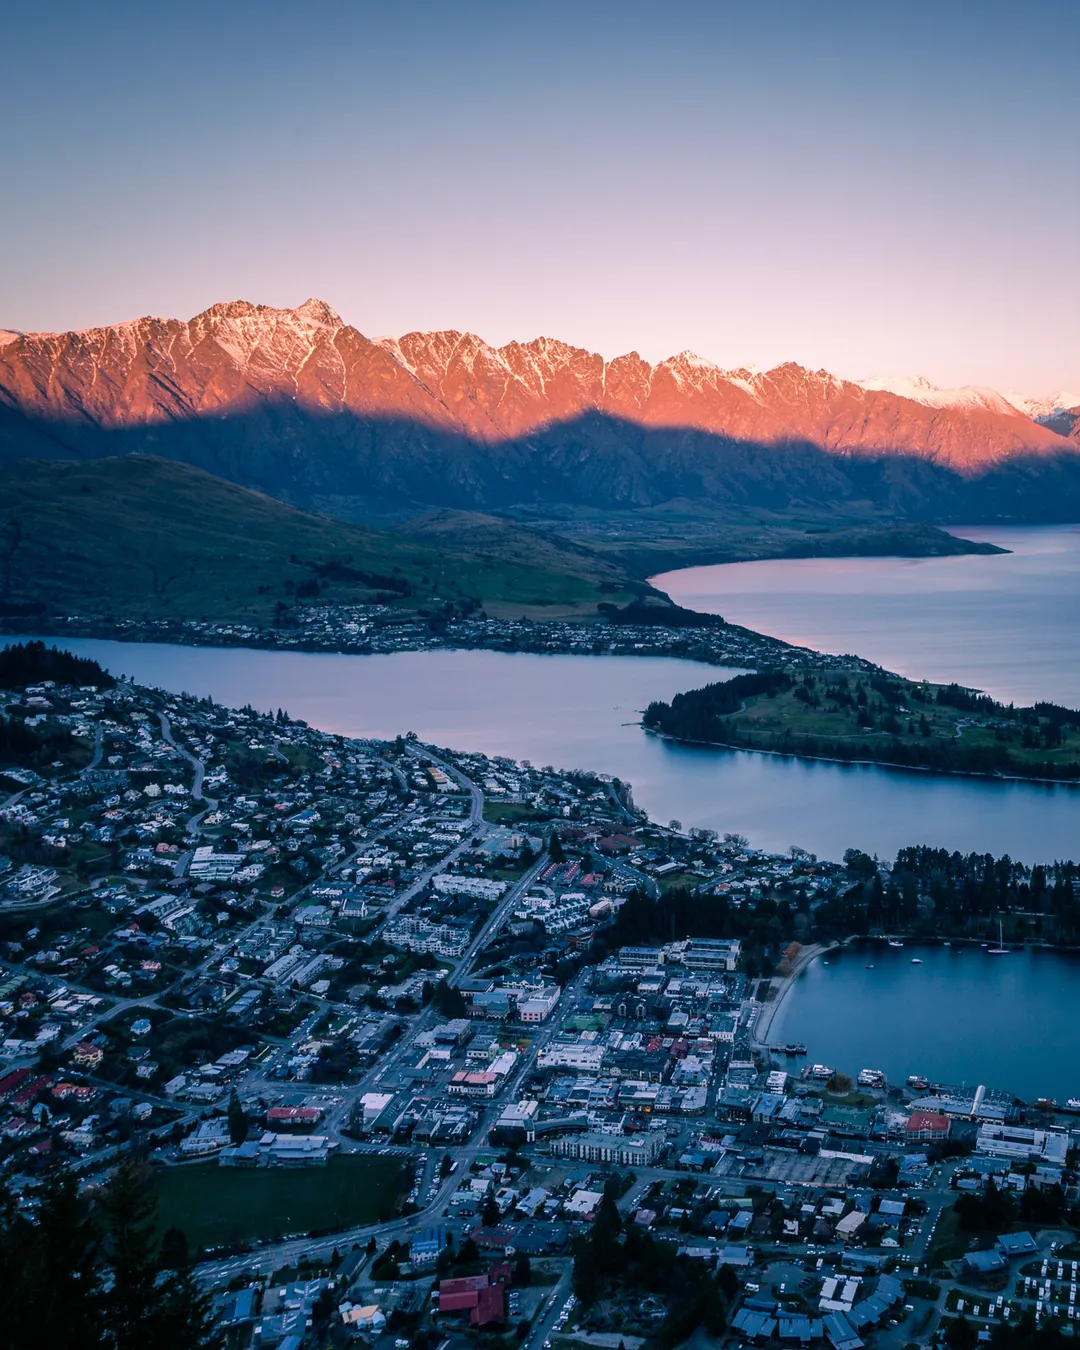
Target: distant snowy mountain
{"type": "Point", "coordinates": [300, 404]}
{"type": "Point", "coordinates": [1043, 409]}
{"type": "Point", "coordinates": [920, 390]}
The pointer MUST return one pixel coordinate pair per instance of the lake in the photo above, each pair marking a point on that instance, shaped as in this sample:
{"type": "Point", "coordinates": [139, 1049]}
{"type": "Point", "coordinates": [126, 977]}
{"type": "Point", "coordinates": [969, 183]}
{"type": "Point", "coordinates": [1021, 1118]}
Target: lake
{"type": "Point", "coordinates": [1005, 623]}
{"type": "Point", "coordinates": [960, 1017]}
{"type": "Point", "coordinates": [582, 712]}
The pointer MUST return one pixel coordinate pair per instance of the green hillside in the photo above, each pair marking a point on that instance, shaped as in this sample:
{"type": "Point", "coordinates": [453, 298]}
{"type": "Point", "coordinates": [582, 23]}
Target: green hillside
{"type": "Point", "coordinates": [137, 536]}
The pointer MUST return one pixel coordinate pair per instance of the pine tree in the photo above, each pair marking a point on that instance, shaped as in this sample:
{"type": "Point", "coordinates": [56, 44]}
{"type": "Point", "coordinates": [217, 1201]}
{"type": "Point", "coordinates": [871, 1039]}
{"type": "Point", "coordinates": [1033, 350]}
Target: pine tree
{"type": "Point", "coordinates": [238, 1121]}
{"type": "Point", "coordinates": [65, 1255]}
{"type": "Point", "coordinates": [129, 1217]}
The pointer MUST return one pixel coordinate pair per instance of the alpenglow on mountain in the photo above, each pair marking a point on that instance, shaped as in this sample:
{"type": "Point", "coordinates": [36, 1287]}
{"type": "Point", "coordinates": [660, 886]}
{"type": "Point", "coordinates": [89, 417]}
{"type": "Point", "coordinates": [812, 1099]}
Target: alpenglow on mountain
{"type": "Point", "coordinates": [300, 404]}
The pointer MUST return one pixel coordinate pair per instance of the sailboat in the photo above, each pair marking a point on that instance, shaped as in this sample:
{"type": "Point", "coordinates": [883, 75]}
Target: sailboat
{"type": "Point", "coordinates": [1000, 949]}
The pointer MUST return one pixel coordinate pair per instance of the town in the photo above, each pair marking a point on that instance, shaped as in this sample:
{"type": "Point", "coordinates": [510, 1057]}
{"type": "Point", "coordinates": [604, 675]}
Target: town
{"type": "Point", "coordinates": [377, 628]}
{"type": "Point", "coordinates": [410, 1059]}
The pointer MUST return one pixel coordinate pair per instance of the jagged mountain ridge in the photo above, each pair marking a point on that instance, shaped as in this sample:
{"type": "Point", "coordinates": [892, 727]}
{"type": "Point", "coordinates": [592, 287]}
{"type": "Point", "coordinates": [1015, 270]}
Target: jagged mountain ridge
{"type": "Point", "coordinates": [299, 403]}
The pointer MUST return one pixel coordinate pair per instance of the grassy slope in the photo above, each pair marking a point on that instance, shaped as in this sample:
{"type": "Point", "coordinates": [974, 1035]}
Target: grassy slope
{"type": "Point", "coordinates": [136, 535]}
{"type": "Point", "coordinates": [489, 538]}
{"type": "Point", "coordinates": [690, 534]}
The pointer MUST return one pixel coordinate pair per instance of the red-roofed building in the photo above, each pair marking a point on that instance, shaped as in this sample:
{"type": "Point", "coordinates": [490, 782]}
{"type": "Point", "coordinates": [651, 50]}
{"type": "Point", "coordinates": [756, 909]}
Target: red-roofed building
{"type": "Point", "coordinates": [11, 1082]}
{"type": "Point", "coordinates": [300, 1117]}
{"type": "Point", "coordinates": [481, 1296]}
{"type": "Point", "coordinates": [29, 1092]}
{"type": "Point", "coordinates": [928, 1127]}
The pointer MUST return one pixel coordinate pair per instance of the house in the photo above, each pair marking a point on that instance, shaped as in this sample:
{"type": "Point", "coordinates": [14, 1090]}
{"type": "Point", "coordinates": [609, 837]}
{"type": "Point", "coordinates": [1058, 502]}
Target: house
{"type": "Point", "coordinates": [980, 1264]}
{"type": "Point", "coordinates": [840, 1333]}
{"type": "Point", "coordinates": [1016, 1244]}
{"type": "Point", "coordinates": [425, 1247]}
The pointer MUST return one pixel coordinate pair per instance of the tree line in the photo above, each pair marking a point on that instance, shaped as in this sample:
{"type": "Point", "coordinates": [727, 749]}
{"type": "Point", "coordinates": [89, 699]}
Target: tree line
{"type": "Point", "coordinates": [90, 1268]}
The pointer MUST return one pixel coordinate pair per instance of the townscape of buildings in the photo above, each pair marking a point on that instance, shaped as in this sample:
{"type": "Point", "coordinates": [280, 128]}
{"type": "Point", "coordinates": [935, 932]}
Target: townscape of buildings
{"type": "Point", "coordinates": [388, 956]}
{"type": "Point", "coordinates": [364, 629]}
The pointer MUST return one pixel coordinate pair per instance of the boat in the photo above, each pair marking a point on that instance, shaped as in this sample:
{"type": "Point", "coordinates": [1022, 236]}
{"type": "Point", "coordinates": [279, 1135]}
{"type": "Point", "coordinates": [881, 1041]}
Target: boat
{"type": "Point", "coordinates": [916, 960]}
{"type": "Point", "coordinates": [870, 966]}
{"type": "Point", "coordinates": [893, 943]}
{"type": "Point", "coordinates": [1073, 1103]}
{"type": "Point", "coordinates": [1000, 949]}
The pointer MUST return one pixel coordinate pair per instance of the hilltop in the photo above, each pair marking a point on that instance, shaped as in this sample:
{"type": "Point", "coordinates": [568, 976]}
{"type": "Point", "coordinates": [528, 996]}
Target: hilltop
{"type": "Point", "coordinates": [139, 536]}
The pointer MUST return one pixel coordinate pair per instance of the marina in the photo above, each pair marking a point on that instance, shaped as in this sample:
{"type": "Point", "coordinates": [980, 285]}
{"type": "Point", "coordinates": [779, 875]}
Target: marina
{"type": "Point", "coordinates": [954, 1017]}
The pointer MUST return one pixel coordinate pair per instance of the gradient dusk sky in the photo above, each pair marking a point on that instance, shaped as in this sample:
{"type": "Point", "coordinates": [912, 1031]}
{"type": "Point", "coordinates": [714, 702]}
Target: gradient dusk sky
{"type": "Point", "coordinates": [874, 188]}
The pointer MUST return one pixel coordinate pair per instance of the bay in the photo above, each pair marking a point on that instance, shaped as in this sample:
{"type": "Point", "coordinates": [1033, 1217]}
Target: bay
{"type": "Point", "coordinates": [960, 1017]}
{"type": "Point", "coordinates": [1005, 623]}
{"type": "Point", "coordinates": [583, 712]}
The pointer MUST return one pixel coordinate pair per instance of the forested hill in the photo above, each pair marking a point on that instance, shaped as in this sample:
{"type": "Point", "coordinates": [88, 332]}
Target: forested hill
{"type": "Point", "coordinates": [879, 718]}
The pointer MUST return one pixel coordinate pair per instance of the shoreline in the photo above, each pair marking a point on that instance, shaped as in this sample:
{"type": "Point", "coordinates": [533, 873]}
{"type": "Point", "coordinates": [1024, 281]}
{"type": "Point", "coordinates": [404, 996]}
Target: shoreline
{"type": "Point", "coordinates": [763, 1023]}
{"type": "Point", "coordinates": [537, 638]}
{"type": "Point", "coordinates": [1071, 783]}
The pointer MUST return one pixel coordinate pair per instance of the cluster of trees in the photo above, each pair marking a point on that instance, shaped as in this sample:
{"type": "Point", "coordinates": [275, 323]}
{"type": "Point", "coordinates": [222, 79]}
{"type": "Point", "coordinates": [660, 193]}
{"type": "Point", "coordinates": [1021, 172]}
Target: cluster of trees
{"type": "Point", "coordinates": [953, 894]}
{"type": "Point", "coordinates": [994, 1211]}
{"type": "Point", "coordinates": [931, 892]}
{"type": "Point", "coordinates": [609, 1259]}
{"type": "Point", "coordinates": [23, 663]}
{"type": "Point", "coordinates": [92, 1270]}
{"type": "Point", "coordinates": [693, 715]}
{"type": "Point", "coordinates": [29, 748]}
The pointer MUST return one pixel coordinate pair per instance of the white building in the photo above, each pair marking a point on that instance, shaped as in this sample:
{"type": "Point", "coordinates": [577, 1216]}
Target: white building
{"type": "Point", "coordinates": [1019, 1144]}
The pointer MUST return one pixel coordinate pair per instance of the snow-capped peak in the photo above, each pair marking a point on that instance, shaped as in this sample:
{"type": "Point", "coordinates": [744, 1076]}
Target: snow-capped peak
{"type": "Point", "coordinates": [919, 389]}
{"type": "Point", "coordinates": [1039, 408]}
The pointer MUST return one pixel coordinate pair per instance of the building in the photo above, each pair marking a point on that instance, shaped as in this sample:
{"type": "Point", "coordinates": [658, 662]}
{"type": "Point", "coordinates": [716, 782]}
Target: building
{"type": "Point", "coordinates": [707, 953]}
{"type": "Point", "coordinates": [1019, 1144]}
{"type": "Point", "coordinates": [539, 1007]}
{"type": "Point", "coordinates": [425, 1247]}
{"type": "Point", "coordinates": [928, 1127]}
{"type": "Point", "coordinates": [1017, 1244]}
{"type": "Point", "coordinates": [209, 1137]}
{"type": "Point", "coordinates": [583, 1056]}
{"type": "Point", "coordinates": [421, 935]}
{"type": "Point", "coordinates": [621, 1149]}
{"type": "Point", "coordinates": [979, 1265]}
{"type": "Point", "coordinates": [481, 1296]}
{"type": "Point", "coordinates": [373, 1105]}
{"type": "Point", "coordinates": [466, 1084]}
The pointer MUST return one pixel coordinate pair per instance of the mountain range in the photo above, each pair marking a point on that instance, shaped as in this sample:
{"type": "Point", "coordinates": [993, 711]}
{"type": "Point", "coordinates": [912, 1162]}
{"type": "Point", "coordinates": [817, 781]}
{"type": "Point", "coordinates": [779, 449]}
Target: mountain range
{"type": "Point", "coordinates": [298, 404]}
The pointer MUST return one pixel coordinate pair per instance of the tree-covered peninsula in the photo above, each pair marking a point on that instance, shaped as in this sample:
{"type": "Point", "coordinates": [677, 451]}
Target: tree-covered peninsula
{"type": "Point", "coordinates": [879, 718]}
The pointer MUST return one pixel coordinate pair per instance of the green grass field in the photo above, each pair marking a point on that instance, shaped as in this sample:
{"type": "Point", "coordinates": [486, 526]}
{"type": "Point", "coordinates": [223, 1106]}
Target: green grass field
{"type": "Point", "coordinates": [220, 1206]}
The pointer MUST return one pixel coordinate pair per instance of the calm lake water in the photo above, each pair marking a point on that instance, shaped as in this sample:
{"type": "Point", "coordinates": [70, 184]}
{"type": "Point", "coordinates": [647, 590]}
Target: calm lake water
{"type": "Point", "coordinates": [582, 712]}
{"type": "Point", "coordinates": [1007, 623]}
{"type": "Point", "coordinates": [960, 1017]}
